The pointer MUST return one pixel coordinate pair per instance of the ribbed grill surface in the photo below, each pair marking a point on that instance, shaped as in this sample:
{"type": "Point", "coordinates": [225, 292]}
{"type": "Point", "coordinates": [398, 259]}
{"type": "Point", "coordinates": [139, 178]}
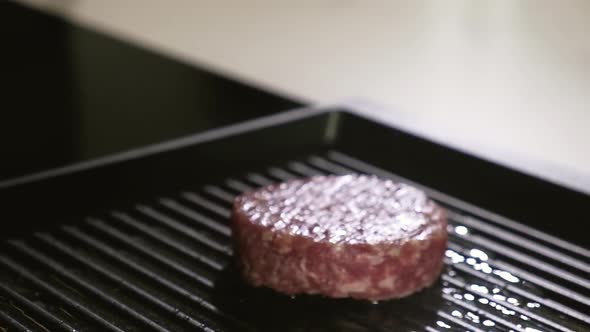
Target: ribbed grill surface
{"type": "Point", "coordinates": [166, 265]}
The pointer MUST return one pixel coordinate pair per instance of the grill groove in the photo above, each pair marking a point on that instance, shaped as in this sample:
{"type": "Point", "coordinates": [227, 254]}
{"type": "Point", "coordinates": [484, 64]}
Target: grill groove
{"type": "Point", "coordinates": [180, 245]}
{"type": "Point", "coordinates": [36, 309]}
{"type": "Point", "coordinates": [59, 295]}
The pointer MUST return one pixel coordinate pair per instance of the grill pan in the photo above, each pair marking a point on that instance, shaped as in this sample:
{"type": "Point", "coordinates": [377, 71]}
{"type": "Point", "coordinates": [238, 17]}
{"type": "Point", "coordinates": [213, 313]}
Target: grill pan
{"type": "Point", "coordinates": [140, 241]}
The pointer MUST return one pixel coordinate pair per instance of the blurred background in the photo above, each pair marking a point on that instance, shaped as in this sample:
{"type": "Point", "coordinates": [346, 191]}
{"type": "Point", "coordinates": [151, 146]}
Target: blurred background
{"type": "Point", "coordinates": [506, 80]}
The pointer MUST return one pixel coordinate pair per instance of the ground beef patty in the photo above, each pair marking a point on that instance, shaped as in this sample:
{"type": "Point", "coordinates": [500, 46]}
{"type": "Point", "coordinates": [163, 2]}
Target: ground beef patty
{"type": "Point", "coordinates": [353, 236]}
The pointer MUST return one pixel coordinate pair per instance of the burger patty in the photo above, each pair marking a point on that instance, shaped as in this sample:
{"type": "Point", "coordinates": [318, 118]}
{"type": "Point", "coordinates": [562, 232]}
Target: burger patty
{"type": "Point", "coordinates": [353, 236]}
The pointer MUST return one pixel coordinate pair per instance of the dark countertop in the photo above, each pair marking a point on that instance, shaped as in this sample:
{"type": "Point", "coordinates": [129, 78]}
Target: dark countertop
{"type": "Point", "coordinates": [70, 94]}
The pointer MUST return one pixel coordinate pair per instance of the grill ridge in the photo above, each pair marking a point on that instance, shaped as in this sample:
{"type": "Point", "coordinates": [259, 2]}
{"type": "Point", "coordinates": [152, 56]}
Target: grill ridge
{"type": "Point", "coordinates": [63, 272]}
{"type": "Point", "coordinates": [521, 242]}
{"type": "Point", "coordinates": [66, 250]}
{"type": "Point", "coordinates": [36, 309]}
{"type": "Point", "coordinates": [29, 276]}
{"type": "Point", "coordinates": [197, 217]}
{"type": "Point", "coordinates": [13, 323]}
{"type": "Point", "coordinates": [160, 232]}
{"type": "Point", "coordinates": [172, 224]}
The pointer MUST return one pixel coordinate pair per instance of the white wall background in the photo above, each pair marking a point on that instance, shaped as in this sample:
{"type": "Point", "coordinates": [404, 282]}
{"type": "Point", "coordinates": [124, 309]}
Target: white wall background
{"type": "Point", "coordinates": [504, 79]}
